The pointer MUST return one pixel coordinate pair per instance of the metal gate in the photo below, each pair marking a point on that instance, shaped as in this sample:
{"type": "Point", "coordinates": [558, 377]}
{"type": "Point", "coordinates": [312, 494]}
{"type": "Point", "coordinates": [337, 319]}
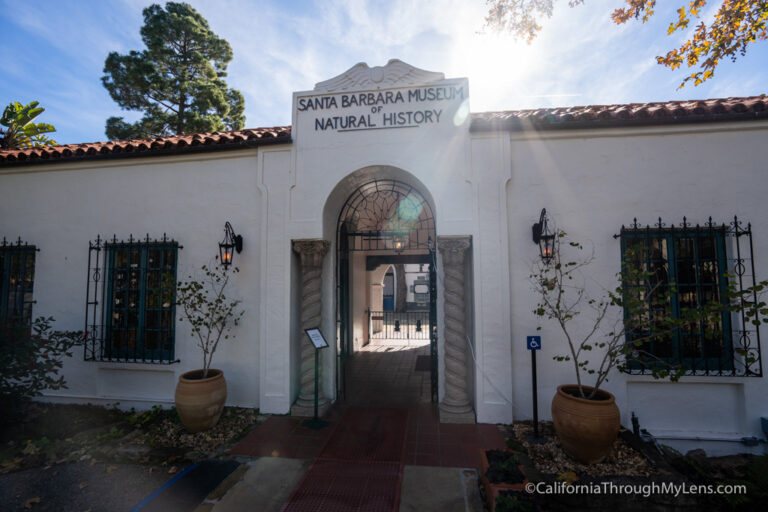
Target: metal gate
{"type": "Point", "coordinates": [342, 312]}
{"type": "Point", "coordinates": [396, 326]}
{"type": "Point", "coordinates": [433, 321]}
{"type": "Point", "coordinates": [393, 219]}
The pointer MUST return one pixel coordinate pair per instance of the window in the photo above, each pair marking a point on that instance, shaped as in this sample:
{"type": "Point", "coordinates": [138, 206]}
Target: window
{"type": "Point", "coordinates": [683, 268]}
{"type": "Point", "coordinates": [17, 275]}
{"type": "Point", "coordinates": [137, 309]}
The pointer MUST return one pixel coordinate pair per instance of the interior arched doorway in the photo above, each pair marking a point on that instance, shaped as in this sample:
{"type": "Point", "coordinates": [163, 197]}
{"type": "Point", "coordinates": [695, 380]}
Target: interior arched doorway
{"type": "Point", "coordinates": [386, 222]}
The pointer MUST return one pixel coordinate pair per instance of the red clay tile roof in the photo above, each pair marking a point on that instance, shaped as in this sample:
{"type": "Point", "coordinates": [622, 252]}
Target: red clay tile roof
{"type": "Point", "coordinates": [174, 145]}
{"type": "Point", "coordinates": [632, 114]}
{"type": "Point", "coordinates": [592, 116]}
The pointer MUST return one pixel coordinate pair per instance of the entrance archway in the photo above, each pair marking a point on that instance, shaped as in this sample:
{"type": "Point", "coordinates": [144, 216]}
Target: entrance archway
{"type": "Point", "coordinates": [386, 222]}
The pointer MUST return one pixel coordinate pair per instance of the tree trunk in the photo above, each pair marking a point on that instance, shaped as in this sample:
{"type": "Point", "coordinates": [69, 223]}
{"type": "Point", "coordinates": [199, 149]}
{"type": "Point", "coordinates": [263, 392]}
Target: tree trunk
{"type": "Point", "coordinates": [401, 288]}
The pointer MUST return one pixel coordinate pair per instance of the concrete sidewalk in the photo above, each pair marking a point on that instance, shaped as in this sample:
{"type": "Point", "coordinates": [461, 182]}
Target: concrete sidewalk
{"type": "Point", "coordinates": [265, 483]}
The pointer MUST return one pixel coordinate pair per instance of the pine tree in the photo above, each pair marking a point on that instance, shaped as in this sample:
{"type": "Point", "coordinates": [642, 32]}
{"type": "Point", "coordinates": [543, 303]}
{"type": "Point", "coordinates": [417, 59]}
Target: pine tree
{"type": "Point", "coordinates": [178, 81]}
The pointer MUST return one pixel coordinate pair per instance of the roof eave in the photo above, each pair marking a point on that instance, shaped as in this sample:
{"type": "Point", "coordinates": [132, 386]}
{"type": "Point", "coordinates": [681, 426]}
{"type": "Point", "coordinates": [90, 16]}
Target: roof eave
{"type": "Point", "coordinates": [147, 153]}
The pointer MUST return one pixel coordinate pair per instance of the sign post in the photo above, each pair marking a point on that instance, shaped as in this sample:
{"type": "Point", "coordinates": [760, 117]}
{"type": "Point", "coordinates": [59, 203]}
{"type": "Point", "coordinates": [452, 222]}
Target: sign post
{"type": "Point", "coordinates": [317, 339]}
{"type": "Point", "coordinates": [533, 343]}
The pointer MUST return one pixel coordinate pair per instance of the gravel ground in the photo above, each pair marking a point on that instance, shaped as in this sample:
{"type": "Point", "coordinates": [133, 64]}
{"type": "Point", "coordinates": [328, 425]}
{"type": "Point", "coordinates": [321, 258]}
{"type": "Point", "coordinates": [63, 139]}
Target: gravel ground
{"type": "Point", "coordinates": [550, 457]}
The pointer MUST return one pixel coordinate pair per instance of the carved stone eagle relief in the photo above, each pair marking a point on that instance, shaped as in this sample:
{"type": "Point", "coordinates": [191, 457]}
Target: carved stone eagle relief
{"type": "Point", "coordinates": [395, 74]}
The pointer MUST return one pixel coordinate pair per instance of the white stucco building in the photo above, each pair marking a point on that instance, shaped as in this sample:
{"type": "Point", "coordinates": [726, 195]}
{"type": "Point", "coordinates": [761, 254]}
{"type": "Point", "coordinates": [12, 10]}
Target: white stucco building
{"type": "Point", "coordinates": [384, 165]}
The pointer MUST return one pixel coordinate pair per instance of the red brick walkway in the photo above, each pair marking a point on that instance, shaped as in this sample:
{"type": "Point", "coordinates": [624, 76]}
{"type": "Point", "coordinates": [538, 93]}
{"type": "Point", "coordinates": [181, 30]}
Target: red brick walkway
{"type": "Point", "coordinates": [382, 376]}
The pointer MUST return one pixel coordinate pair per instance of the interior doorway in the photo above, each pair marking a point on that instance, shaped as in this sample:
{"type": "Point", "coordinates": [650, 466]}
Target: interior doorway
{"type": "Point", "coordinates": [386, 295]}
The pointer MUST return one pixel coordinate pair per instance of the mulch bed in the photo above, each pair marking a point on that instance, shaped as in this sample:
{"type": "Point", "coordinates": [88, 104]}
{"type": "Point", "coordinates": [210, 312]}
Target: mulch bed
{"type": "Point", "coordinates": [48, 434]}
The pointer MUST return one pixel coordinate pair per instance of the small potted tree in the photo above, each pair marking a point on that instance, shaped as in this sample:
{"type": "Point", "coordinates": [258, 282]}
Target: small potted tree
{"type": "Point", "coordinates": [200, 394]}
{"type": "Point", "coordinates": [623, 320]}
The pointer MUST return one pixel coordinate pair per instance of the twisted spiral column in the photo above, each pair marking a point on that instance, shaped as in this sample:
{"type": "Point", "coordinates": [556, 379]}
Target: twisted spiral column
{"type": "Point", "coordinates": [311, 253]}
{"type": "Point", "coordinates": [455, 406]}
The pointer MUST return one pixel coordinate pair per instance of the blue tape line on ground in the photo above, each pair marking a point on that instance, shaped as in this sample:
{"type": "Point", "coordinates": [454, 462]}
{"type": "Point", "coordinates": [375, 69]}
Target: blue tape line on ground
{"type": "Point", "coordinates": [169, 483]}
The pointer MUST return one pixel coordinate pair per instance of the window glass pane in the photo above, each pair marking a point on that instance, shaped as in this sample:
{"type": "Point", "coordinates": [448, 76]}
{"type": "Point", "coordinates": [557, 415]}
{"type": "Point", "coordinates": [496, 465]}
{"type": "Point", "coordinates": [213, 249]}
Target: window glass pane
{"type": "Point", "coordinates": [152, 341]}
{"type": "Point", "coordinates": [169, 260]}
{"type": "Point", "coordinates": [152, 319]}
{"type": "Point", "coordinates": [707, 248]}
{"type": "Point", "coordinates": [153, 298]}
{"type": "Point", "coordinates": [154, 258]}
{"type": "Point", "coordinates": [134, 278]}
{"type": "Point", "coordinates": [708, 271]}
{"type": "Point", "coordinates": [153, 279]}
{"type": "Point", "coordinates": [130, 339]}
{"type": "Point", "coordinates": [118, 340]}
{"type": "Point", "coordinates": [167, 319]}
{"type": "Point", "coordinates": [118, 319]}
{"type": "Point", "coordinates": [121, 258]}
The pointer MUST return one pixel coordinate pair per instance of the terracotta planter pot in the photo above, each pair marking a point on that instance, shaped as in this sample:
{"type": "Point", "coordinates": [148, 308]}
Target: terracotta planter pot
{"type": "Point", "coordinates": [586, 428]}
{"type": "Point", "coordinates": [492, 490]}
{"type": "Point", "coordinates": [199, 401]}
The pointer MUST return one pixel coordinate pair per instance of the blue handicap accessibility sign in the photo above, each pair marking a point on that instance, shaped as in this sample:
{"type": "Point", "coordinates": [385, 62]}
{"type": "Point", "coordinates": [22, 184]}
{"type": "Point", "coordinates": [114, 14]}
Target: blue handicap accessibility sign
{"type": "Point", "coordinates": [533, 342]}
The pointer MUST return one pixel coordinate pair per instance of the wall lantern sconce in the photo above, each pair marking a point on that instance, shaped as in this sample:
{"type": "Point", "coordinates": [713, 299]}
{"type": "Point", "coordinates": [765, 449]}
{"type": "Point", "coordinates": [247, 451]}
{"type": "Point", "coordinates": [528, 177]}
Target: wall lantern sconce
{"type": "Point", "coordinates": [232, 242]}
{"type": "Point", "coordinates": [400, 242]}
{"type": "Point", "coordinates": [543, 237]}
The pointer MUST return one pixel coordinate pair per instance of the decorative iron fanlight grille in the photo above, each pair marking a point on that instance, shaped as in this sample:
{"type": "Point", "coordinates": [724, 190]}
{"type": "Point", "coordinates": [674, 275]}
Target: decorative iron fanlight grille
{"type": "Point", "coordinates": [387, 215]}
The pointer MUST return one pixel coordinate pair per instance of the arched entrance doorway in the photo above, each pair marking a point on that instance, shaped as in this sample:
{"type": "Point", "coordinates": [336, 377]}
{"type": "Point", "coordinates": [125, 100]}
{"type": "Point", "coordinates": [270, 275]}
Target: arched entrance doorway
{"type": "Point", "coordinates": [387, 224]}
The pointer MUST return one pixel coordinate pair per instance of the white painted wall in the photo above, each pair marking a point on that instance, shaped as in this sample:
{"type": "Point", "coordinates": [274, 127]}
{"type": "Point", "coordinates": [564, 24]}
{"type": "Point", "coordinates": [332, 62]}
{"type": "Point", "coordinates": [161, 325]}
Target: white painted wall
{"type": "Point", "coordinates": [60, 207]}
{"type": "Point", "coordinates": [592, 182]}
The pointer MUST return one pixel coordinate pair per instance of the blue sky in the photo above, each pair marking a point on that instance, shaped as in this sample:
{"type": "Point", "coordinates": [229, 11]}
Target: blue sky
{"type": "Point", "coordinates": [53, 51]}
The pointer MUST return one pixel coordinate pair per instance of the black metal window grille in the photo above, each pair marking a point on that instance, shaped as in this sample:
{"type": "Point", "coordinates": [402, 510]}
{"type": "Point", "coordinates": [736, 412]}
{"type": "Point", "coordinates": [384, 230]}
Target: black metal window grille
{"type": "Point", "coordinates": [17, 277]}
{"type": "Point", "coordinates": [130, 310]}
{"type": "Point", "coordinates": [688, 266]}
{"type": "Point", "coordinates": [387, 215]}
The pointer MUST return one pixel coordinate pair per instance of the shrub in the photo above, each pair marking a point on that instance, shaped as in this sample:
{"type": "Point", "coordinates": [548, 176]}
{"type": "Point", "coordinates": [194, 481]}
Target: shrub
{"type": "Point", "coordinates": [31, 358]}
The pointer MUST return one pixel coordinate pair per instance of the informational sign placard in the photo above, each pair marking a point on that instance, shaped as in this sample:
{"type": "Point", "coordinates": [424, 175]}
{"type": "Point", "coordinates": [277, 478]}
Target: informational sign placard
{"type": "Point", "coordinates": [533, 342]}
{"type": "Point", "coordinates": [316, 337]}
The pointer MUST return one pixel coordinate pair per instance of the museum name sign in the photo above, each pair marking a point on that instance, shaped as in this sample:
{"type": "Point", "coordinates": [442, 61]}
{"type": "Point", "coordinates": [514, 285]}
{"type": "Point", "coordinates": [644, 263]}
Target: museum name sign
{"type": "Point", "coordinates": [377, 110]}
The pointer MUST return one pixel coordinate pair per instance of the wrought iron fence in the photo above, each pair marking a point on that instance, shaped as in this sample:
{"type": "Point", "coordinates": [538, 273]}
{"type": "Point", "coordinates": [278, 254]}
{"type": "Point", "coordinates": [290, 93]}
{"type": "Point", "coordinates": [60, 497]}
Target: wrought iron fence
{"type": "Point", "coordinates": [391, 325]}
{"type": "Point", "coordinates": [130, 300]}
{"type": "Point", "coordinates": [699, 262]}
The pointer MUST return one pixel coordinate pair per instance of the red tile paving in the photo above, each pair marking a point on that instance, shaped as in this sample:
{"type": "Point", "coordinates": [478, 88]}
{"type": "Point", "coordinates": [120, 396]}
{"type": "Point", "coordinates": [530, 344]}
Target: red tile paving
{"type": "Point", "coordinates": [360, 455]}
{"type": "Point", "coordinates": [370, 434]}
{"type": "Point", "coordinates": [427, 442]}
{"type": "Point", "coordinates": [347, 486]}
{"type": "Point", "coordinates": [430, 443]}
{"type": "Point", "coordinates": [283, 436]}
{"type": "Point", "coordinates": [361, 466]}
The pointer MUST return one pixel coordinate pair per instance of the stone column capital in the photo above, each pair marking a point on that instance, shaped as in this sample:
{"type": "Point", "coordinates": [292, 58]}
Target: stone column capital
{"type": "Point", "coordinates": [453, 248]}
{"type": "Point", "coordinates": [311, 251]}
